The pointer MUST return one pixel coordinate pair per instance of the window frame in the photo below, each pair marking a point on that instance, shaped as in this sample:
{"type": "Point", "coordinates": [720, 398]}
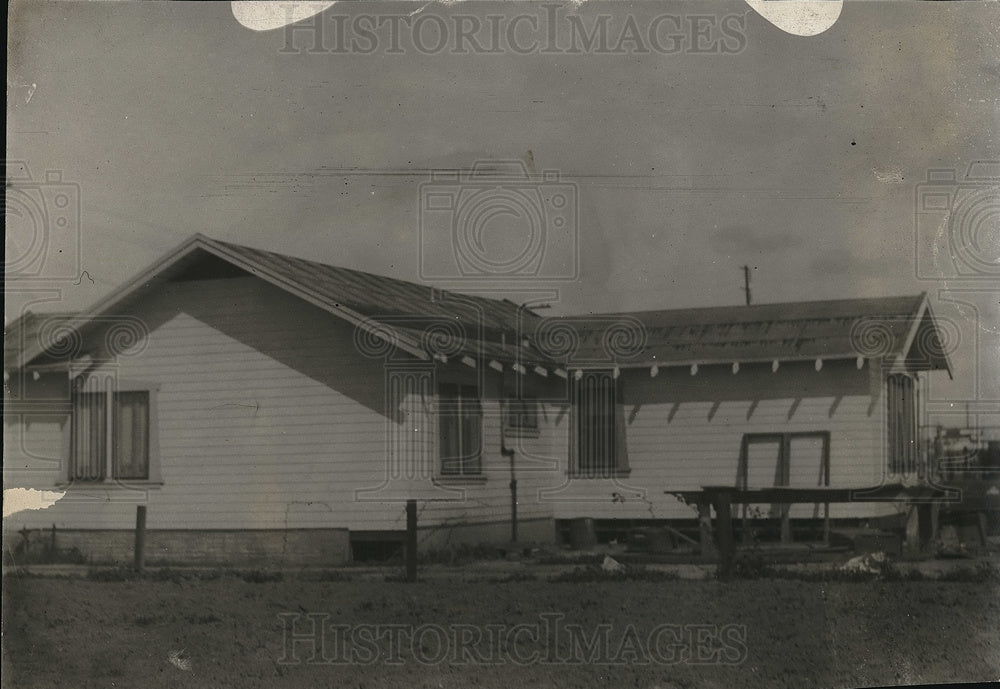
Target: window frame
{"type": "Point", "coordinates": [784, 454]}
{"type": "Point", "coordinates": [902, 457]}
{"type": "Point", "coordinates": [109, 387]}
{"type": "Point", "coordinates": [516, 408]}
{"type": "Point", "coordinates": [468, 404]}
{"type": "Point", "coordinates": [618, 465]}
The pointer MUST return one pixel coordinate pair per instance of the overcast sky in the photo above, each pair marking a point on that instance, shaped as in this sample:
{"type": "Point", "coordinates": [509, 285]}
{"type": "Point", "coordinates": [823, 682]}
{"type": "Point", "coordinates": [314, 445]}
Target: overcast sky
{"type": "Point", "coordinates": [798, 156]}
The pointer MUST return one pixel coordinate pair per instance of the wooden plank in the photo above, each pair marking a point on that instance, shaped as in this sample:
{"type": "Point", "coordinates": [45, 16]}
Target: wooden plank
{"type": "Point", "coordinates": [140, 538]}
{"type": "Point", "coordinates": [411, 540]}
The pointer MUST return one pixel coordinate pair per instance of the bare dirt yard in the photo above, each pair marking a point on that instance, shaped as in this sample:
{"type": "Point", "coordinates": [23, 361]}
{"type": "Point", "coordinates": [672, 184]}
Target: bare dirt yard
{"type": "Point", "coordinates": [512, 629]}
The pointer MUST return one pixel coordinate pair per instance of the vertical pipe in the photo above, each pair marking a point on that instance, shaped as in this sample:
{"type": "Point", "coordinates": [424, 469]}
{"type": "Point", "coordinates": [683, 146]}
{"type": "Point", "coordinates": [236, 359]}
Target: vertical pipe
{"type": "Point", "coordinates": [140, 537]}
{"type": "Point", "coordinates": [513, 508]}
{"type": "Point", "coordinates": [411, 540]}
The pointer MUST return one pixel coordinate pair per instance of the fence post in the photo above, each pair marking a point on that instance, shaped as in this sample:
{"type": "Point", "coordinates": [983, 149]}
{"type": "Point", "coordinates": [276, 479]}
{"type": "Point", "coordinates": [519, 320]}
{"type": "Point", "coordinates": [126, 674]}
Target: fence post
{"type": "Point", "coordinates": [708, 551]}
{"type": "Point", "coordinates": [411, 540]}
{"type": "Point", "coordinates": [140, 537]}
{"type": "Point", "coordinates": [724, 530]}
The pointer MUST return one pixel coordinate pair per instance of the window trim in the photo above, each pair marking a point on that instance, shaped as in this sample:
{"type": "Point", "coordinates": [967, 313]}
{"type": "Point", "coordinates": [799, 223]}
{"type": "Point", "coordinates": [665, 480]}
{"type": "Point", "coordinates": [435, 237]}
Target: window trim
{"type": "Point", "coordinates": [784, 455]}
{"type": "Point", "coordinates": [512, 430]}
{"type": "Point", "coordinates": [109, 385]}
{"type": "Point", "coordinates": [462, 475]}
{"type": "Point", "coordinates": [902, 460]}
{"type": "Point", "coordinates": [621, 468]}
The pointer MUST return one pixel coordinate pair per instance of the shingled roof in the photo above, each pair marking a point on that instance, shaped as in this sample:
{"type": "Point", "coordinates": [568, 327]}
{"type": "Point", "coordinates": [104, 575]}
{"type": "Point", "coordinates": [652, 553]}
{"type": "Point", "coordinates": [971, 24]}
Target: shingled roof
{"type": "Point", "coordinates": [845, 328]}
{"type": "Point", "coordinates": [418, 319]}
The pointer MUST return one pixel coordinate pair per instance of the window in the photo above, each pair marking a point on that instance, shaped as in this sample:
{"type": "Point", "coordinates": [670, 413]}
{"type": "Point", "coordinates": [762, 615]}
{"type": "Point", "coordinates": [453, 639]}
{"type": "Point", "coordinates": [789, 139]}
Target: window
{"type": "Point", "coordinates": [599, 430]}
{"type": "Point", "coordinates": [901, 424]}
{"type": "Point", "coordinates": [110, 435]}
{"type": "Point", "coordinates": [798, 460]}
{"type": "Point", "coordinates": [460, 423]}
{"type": "Point", "coordinates": [522, 414]}
{"type": "Point", "coordinates": [795, 460]}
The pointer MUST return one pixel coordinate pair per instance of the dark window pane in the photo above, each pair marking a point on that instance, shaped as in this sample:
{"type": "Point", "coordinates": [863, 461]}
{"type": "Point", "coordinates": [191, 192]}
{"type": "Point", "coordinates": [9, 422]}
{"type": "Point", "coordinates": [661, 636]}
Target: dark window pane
{"type": "Point", "coordinates": [131, 446]}
{"type": "Point", "coordinates": [460, 429]}
{"type": "Point", "coordinates": [522, 413]}
{"type": "Point", "coordinates": [449, 429]}
{"type": "Point", "coordinates": [901, 424]}
{"type": "Point", "coordinates": [595, 413]}
{"type": "Point", "coordinates": [88, 444]}
{"type": "Point", "coordinates": [472, 423]}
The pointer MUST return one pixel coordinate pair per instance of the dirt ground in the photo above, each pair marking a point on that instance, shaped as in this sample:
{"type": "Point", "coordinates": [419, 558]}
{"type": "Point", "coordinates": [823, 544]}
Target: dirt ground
{"type": "Point", "coordinates": [454, 631]}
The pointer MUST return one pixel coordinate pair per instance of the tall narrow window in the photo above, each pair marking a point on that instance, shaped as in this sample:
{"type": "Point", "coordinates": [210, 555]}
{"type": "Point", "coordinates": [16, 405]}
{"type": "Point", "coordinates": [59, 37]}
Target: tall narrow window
{"type": "Point", "coordinates": [460, 423]}
{"type": "Point", "coordinates": [901, 424]}
{"type": "Point", "coordinates": [89, 428]}
{"type": "Point", "coordinates": [598, 434]}
{"type": "Point", "coordinates": [131, 435]}
{"type": "Point", "coordinates": [99, 451]}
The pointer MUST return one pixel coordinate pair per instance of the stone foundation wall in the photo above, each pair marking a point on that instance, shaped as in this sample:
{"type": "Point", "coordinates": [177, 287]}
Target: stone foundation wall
{"type": "Point", "coordinates": [247, 548]}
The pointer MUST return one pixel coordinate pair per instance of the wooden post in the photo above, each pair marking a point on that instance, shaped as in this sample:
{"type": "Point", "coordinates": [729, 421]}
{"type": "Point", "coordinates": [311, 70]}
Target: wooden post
{"type": "Point", "coordinates": [925, 529]}
{"type": "Point", "coordinates": [708, 550]}
{"type": "Point", "coordinates": [724, 531]}
{"type": "Point", "coordinates": [411, 540]}
{"type": "Point", "coordinates": [786, 525]}
{"type": "Point", "coordinates": [140, 537]}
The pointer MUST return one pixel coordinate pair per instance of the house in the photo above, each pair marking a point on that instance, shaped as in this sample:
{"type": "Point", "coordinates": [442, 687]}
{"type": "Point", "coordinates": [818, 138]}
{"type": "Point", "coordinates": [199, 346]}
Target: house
{"type": "Point", "coordinates": [270, 409]}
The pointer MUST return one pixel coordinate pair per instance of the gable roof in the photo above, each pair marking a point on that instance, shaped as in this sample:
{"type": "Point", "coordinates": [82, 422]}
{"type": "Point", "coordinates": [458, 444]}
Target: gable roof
{"type": "Point", "coordinates": [28, 327]}
{"type": "Point", "coordinates": [378, 304]}
{"type": "Point", "coordinates": [895, 327]}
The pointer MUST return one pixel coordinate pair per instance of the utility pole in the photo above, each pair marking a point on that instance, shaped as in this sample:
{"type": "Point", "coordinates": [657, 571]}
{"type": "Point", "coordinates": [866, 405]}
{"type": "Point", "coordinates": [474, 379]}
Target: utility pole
{"type": "Point", "coordinates": [746, 282]}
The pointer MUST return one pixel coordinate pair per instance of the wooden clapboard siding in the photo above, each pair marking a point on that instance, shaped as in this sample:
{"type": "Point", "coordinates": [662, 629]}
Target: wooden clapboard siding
{"type": "Point", "coordinates": [684, 432]}
{"type": "Point", "coordinates": [489, 499]}
{"type": "Point", "coordinates": [268, 418]}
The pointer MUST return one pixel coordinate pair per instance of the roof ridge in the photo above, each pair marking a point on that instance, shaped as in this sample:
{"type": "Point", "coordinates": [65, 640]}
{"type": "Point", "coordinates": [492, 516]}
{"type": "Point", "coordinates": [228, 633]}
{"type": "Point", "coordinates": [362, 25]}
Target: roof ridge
{"type": "Point", "coordinates": [918, 298]}
{"type": "Point", "coordinates": [378, 276]}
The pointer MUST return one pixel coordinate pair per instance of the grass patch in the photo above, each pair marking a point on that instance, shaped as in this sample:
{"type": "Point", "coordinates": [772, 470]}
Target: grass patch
{"type": "Point", "coordinates": [572, 559]}
{"type": "Point", "coordinates": [460, 554]}
{"type": "Point", "coordinates": [583, 575]}
{"type": "Point", "coordinates": [257, 576]}
{"type": "Point", "coordinates": [512, 578]}
{"type": "Point", "coordinates": [982, 573]}
{"type": "Point", "coordinates": [333, 575]}
{"type": "Point", "coordinates": [113, 574]}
